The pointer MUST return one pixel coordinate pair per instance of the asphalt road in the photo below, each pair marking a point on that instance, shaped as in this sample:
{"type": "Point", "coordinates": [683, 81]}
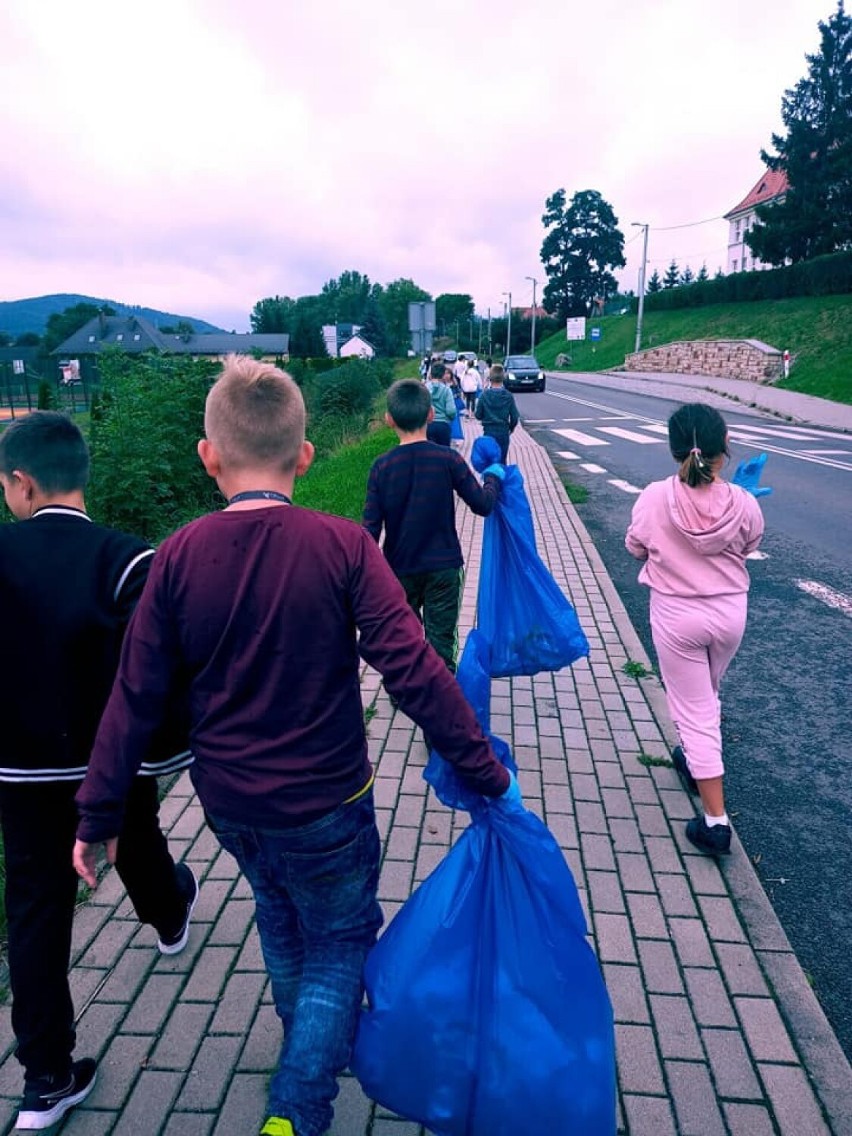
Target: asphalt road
{"type": "Point", "coordinates": [787, 699]}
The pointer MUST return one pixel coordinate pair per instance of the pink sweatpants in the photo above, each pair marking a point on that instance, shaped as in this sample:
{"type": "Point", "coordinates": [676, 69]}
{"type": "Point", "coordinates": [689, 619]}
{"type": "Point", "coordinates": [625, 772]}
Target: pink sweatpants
{"type": "Point", "coordinates": [696, 639]}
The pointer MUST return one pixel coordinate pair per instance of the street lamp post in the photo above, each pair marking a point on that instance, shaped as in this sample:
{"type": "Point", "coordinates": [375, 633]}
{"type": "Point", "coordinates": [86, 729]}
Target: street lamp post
{"type": "Point", "coordinates": [509, 325]}
{"type": "Point", "coordinates": [641, 309]}
{"type": "Point", "coordinates": [532, 331]}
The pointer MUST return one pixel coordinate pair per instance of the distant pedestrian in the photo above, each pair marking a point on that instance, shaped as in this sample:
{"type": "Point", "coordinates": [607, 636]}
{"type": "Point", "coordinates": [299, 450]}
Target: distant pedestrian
{"type": "Point", "coordinates": [496, 410]}
{"type": "Point", "coordinates": [443, 405]}
{"type": "Point", "coordinates": [694, 532]}
{"type": "Point", "coordinates": [470, 385]}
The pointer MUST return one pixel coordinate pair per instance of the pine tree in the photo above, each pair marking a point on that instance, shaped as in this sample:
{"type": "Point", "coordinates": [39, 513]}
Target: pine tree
{"type": "Point", "coordinates": [672, 276]}
{"type": "Point", "coordinates": [815, 216]}
{"type": "Point", "coordinates": [655, 284]}
{"type": "Point", "coordinates": [687, 276]}
{"type": "Point", "coordinates": [581, 245]}
{"type": "Point", "coordinates": [702, 274]}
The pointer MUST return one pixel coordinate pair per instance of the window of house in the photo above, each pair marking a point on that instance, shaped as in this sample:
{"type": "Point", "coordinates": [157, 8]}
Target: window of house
{"type": "Point", "coordinates": [745, 264]}
{"type": "Point", "coordinates": [735, 262]}
{"type": "Point", "coordinates": [119, 337]}
{"type": "Point", "coordinates": [737, 231]}
{"type": "Point", "coordinates": [137, 337]}
{"type": "Point", "coordinates": [91, 339]}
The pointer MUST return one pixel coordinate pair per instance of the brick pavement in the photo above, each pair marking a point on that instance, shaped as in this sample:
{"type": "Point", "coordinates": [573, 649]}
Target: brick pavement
{"type": "Point", "coordinates": [717, 1029]}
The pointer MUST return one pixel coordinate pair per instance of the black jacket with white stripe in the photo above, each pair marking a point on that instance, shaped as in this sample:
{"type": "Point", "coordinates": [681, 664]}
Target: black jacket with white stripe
{"type": "Point", "coordinates": [67, 590]}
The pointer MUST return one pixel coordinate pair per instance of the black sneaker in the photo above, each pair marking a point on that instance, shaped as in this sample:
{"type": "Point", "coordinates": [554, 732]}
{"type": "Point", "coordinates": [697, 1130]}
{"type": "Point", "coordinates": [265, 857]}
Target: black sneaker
{"type": "Point", "coordinates": [682, 770]}
{"type": "Point", "coordinates": [712, 841]}
{"type": "Point", "coordinates": [173, 944]}
{"type": "Point", "coordinates": [46, 1102]}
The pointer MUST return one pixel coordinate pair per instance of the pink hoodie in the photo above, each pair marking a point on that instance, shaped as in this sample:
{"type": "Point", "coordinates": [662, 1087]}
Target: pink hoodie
{"type": "Point", "coordinates": [694, 541]}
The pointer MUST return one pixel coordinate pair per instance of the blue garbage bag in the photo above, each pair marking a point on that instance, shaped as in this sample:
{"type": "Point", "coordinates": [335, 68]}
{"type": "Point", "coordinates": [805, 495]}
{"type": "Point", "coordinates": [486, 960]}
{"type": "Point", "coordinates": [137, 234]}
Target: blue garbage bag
{"type": "Point", "coordinates": [521, 610]}
{"type": "Point", "coordinates": [456, 429]}
{"type": "Point", "coordinates": [487, 1014]}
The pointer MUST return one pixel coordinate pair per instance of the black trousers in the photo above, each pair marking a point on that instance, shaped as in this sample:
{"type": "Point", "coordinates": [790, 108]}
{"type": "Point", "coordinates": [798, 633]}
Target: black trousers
{"type": "Point", "coordinates": [436, 598]}
{"type": "Point", "coordinates": [39, 823]}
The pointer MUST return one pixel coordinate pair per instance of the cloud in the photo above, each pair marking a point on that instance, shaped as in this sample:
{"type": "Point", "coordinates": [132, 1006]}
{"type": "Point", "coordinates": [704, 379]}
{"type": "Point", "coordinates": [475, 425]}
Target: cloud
{"type": "Point", "coordinates": [208, 152]}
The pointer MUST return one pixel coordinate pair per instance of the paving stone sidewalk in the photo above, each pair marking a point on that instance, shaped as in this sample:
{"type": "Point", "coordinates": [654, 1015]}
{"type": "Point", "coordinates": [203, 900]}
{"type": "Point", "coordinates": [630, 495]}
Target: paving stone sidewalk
{"type": "Point", "coordinates": [717, 1029]}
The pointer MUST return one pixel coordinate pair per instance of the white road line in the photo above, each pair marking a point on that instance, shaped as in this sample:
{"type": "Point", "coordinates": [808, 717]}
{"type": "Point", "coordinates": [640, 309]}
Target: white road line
{"type": "Point", "coordinates": [579, 420]}
{"type": "Point", "coordinates": [828, 453]}
{"type": "Point", "coordinates": [567, 454]}
{"type": "Point", "coordinates": [581, 439]}
{"type": "Point", "coordinates": [617, 417]}
{"type": "Point", "coordinates": [625, 485]}
{"type": "Point", "coordinates": [831, 463]}
{"type": "Point", "coordinates": [538, 421]}
{"type": "Point", "coordinates": [630, 435]}
{"type": "Point", "coordinates": [590, 467]}
{"type": "Point", "coordinates": [826, 595]}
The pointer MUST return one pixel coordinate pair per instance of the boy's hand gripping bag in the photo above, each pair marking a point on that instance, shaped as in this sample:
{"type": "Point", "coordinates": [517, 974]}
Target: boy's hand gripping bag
{"type": "Point", "coordinates": [487, 1012]}
{"type": "Point", "coordinates": [521, 610]}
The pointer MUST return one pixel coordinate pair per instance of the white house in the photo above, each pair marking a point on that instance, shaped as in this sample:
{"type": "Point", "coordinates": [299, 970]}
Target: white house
{"type": "Point", "coordinates": [771, 187]}
{"type": "Point", "coordinates": [357, 347]}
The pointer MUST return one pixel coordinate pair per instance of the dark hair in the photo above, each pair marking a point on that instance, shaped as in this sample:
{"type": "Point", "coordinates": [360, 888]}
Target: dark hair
{"type": "Point", "coordinates": [408, 404]}
{"type": "Point", "coordinates": [50, 448]}
{"type": "Point", "coordinates": [438, 370]}
{"type": "Point", "coordinates": [697, 437]}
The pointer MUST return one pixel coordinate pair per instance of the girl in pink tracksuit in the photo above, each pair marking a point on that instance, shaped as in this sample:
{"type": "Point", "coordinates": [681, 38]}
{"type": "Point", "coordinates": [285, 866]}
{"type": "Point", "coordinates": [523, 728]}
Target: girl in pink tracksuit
{"type": "Point", "coordinates": [694, 531]}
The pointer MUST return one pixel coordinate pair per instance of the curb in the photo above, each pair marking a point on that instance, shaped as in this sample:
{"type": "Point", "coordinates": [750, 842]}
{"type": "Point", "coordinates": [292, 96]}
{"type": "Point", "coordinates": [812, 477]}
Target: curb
{"type": "Point", "coordinates": [823, 1060]}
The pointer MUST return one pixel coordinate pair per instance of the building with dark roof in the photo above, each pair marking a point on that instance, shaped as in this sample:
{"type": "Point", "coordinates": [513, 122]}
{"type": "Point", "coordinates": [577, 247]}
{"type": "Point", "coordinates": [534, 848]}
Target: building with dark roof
{"type": "Point", "coordinates": [135, 335]}
{"type": "Point", "coordinates": [771, 188]}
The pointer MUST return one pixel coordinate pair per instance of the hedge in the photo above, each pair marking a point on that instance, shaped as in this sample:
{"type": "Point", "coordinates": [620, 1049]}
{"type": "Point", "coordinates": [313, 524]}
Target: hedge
{"type": "Point", "coordinates": [822, 276]}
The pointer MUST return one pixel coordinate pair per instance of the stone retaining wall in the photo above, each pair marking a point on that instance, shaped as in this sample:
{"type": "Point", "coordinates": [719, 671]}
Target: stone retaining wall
{"type": "Point", "coordinates": [726, 358]}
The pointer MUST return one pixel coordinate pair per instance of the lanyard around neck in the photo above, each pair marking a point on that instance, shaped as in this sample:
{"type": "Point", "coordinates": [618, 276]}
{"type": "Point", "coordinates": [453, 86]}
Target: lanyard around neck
{"type": "Point", "coordinates": [260, 495]}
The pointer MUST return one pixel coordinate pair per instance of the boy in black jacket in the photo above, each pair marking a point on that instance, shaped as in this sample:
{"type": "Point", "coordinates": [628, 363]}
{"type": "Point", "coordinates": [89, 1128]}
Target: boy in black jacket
{"type": "Point", "coordinates": [67, 590]}
{"type": "Point", "coordinates": [497, 412]}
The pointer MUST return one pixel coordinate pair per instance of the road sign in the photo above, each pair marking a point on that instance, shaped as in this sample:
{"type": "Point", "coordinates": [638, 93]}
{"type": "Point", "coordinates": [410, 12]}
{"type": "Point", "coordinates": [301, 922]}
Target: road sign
{"type": "Point", "coordinates": [595, 333]}
{"type": "Point", "coordinates": [575, 328]}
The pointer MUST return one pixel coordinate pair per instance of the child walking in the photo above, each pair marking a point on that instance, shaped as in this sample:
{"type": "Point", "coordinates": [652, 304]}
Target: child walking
{"type": "Point", "coordinates": [258, 614]}
{"type": "Point", "coordinates": [694, 532]}
{"type": "Point", "coordinates": [67, 590]}
{"type": "Point", "coordinates": [411, 495]}
{"type": "Point", "coordinates": [497, 411]}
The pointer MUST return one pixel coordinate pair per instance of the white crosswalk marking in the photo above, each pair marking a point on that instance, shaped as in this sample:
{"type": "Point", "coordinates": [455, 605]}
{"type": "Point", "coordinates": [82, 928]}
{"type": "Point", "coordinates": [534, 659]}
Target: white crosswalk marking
{"type": "Point", "coordinates": [656, 428]}
{"type": "Point", "coordinates": [568, 454]}
{"type": "Point", "coordinates": [826, 595]}
{"type": "Point", "coordinates": [630, 435]}
{"type": "Point", "coordinates": [590, 467]}
{"type": "Point", "coordinates": [625, 485]}
{"type": "Point", "coordinates": [581, 439]}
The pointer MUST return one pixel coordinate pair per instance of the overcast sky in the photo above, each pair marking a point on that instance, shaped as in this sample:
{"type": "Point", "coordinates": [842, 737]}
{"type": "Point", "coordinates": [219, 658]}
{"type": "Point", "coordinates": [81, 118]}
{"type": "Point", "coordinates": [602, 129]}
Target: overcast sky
{"type": "Point", "coordinates": [198, 155]}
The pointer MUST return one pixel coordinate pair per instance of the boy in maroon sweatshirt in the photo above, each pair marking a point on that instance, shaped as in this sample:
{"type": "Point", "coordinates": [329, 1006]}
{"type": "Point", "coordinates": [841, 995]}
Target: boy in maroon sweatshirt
{"type": "Point", "coordinates": [259, 614]}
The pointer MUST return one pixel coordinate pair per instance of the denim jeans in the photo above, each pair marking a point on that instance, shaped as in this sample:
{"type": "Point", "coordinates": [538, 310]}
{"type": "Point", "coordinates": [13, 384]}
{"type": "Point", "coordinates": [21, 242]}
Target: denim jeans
{"type": "Point", "coordinates": [317, 915]}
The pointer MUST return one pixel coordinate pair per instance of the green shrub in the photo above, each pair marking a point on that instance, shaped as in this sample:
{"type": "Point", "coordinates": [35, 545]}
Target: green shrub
{"type": "Point", "coordinates": [146, 476]}
{"type": "Point", "coordinates": [46, 398]}
{"type": "Point", "coordinates": [823, 276]}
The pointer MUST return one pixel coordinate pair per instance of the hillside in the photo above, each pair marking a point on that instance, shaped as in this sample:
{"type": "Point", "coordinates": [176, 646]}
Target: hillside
{"type": "Point", "coordinates": [816, 330]}
{"type": "Point", "coordinates": [19, 316]}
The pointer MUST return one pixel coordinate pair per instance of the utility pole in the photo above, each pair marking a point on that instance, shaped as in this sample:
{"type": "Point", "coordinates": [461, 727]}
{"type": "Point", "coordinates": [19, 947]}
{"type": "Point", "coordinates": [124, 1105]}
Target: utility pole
{"type": "Point", "coordinates": [509, 325]}
{"type": "Point", "coordinates": [489, 332]}
{"type": "Point", "coordinates": [641, 309]}
{"type": "Point", "coordinates": [532, 332]}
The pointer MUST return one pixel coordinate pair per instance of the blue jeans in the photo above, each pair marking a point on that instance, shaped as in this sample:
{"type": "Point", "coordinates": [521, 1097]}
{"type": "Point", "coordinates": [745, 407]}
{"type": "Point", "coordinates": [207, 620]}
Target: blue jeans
{"type": "Point", "coordinates": [317, 916]}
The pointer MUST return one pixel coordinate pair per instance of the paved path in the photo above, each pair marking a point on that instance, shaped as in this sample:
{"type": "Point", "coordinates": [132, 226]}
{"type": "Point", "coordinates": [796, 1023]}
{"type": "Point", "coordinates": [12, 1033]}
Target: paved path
{"type": "Point", "coordinates": [718, 1031]}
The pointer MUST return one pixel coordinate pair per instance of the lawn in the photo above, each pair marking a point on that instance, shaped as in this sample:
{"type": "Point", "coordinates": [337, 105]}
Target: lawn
{"type": "Point", "coordinates": [816, 330]}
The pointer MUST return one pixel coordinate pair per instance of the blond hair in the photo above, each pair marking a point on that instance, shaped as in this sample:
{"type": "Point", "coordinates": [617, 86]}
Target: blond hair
{"type": "Point", "coordinates": [255, 415]}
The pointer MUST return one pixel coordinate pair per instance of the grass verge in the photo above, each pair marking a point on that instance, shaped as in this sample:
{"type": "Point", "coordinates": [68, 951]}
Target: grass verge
{"type": "Point", "coordinates": [576, 494]}
{"type": "Point", "coordinates": [817, 330]}
{"type": "Point", "coordinates": [338, 483]}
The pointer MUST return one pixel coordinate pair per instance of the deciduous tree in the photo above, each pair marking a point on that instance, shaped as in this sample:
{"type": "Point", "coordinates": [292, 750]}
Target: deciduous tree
{"type": "Point", "coordinates": [583, 242]}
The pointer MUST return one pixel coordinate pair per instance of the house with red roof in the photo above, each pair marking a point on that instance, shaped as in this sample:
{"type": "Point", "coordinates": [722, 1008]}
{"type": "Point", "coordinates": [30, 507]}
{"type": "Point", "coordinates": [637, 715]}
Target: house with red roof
{"type": "Point", "coordinates": [771, 188]}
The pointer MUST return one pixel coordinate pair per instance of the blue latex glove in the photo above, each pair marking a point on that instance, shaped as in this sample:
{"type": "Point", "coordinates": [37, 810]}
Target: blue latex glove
{"type": "Point", "coordinates": [747, 476]}
{"type": "Point", "coordinates": [512, 797]}
{"type": "Point", "coordinates": [496, 470]}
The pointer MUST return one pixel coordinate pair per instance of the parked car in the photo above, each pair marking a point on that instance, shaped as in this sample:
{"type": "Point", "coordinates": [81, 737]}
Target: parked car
{"type": "Point", "coordinates": [523, 373]}
{"type": "Point", "coordinates": [468, 356]}
{"type": "Point", "coordinates": [450, 356]}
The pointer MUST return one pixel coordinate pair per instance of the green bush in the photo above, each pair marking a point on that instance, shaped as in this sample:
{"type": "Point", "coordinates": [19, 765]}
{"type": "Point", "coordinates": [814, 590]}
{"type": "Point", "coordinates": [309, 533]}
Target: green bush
{"type": "Point", "coordinates": [46, 398]}
{"type": "Point", "coordinates": [823, 276]}
{"type": "Point", "coordinates": [146, 476]}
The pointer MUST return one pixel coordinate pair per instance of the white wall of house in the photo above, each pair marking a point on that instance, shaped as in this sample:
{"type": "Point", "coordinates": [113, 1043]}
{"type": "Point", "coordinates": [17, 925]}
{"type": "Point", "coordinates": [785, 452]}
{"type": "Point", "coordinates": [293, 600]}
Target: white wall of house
{"type": "Point", "coordinates": [356, 348]}
{"type": "Point", "coordinates": [740, 256]}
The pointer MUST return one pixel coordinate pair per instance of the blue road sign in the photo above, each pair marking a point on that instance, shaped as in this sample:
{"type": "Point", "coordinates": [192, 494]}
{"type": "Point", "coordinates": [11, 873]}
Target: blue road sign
{"type": "Point", "coordinates": [595, 333]}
